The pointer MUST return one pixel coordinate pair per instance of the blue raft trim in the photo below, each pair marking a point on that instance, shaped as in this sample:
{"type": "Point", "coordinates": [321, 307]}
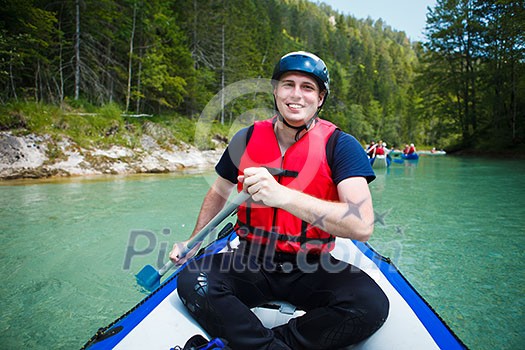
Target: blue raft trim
{"type": "Point", "coordinates": [109, 338]}
{"type": "Point", "coordinates": [442, 334]}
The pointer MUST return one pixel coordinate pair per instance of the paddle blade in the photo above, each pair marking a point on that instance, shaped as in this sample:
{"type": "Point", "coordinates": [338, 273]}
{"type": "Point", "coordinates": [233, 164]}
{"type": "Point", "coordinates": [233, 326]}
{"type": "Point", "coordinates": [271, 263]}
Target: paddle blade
{"type": "Point", "coordinates": [148, 277]}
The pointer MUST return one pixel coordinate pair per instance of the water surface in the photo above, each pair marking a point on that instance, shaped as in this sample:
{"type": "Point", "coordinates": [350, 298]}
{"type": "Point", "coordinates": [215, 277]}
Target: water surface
{"type": "Point", "coordinates": [454, 226]}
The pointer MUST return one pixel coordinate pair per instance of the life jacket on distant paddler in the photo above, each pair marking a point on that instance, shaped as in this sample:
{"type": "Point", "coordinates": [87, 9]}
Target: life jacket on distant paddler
{"type": "Point", "coordinates": [305, 168]}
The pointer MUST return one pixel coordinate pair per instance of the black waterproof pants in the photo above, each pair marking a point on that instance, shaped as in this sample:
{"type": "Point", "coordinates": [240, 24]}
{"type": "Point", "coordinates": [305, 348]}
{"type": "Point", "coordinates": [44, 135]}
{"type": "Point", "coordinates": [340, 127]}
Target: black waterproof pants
{"type": "Point", "coordinates": [343, 304]}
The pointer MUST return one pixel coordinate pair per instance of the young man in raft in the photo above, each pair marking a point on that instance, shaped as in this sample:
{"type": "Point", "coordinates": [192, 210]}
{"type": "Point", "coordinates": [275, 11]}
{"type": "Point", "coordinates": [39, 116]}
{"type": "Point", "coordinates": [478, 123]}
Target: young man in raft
{"type": "Point", "coordinates": [308, 183]}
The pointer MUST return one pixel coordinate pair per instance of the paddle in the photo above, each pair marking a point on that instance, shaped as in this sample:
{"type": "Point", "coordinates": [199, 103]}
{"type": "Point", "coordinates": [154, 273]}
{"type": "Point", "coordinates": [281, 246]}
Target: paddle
{"type": "Point", "coordinates": [149, 277]}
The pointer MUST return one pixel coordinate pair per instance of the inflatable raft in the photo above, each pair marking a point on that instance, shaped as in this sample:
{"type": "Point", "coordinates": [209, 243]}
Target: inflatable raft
{"type": "Point", "coordinates": [380, 161]}
{"type": "Point", "coordinates": [160, 321]}
{"type": "Point", "coordinates": [432, 153]}
{"type": "Point", "coordinates": [410, 156]}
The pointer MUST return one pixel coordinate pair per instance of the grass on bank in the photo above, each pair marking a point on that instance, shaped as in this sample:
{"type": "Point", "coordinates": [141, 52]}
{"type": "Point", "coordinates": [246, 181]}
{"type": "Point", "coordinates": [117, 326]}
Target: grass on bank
{"type": "Point", "coordinates": [101, 127]}
{"type": "Point", "coordinates": [90, 126]}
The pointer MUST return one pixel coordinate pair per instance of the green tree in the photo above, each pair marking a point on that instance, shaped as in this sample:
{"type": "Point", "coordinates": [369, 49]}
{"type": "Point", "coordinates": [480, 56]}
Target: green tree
{"type": "Point", "coordinates": [173, 56]}
{"type": "Point", "coordinates": [166, 61]}
{"type": "Point", "coordinates": [473, 63]}
{"type": "Point", "coordinates": [26, 33]}
{"type": "Point", "coordinates": [503, 70]}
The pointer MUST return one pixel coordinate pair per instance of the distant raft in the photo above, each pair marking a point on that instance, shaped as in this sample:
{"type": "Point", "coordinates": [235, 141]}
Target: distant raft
{"type": "Point", "coordinates": [380, 161]}
{"type": "Point", "coordinates": [410, 156]}
{"type": "Point", "coordinates": [432, 153]}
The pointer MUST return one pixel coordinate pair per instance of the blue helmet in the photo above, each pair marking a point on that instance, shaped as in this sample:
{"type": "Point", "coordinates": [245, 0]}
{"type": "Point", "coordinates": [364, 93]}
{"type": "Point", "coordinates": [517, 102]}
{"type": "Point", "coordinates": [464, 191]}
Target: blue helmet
{"type": "Point", "coordinates": [304, 62]}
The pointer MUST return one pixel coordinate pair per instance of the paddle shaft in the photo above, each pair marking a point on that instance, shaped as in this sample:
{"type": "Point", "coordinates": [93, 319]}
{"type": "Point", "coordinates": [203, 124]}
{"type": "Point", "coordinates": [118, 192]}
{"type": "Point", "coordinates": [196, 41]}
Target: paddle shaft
{"type": "Point", "coordinates": [210, 226]}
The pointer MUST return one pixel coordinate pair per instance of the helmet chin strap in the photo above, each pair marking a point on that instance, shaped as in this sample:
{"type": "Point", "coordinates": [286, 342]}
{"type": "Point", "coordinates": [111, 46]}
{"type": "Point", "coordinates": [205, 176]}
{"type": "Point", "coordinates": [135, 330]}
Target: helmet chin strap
{"type": "Point", "coordinates": [305, 126]}
{"type": "Point", "coordinates": [300, 128]}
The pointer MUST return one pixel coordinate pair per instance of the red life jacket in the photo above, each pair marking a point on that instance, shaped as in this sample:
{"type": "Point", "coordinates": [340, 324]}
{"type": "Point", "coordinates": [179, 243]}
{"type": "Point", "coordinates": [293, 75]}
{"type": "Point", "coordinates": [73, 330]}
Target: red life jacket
{"type": "Point", "coordinates": [304, 167]}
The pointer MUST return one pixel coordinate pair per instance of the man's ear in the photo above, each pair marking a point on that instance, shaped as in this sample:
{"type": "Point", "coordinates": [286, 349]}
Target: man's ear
{"type": "Point", "coordinates": [274, 91]}
{"type": "Point", "coordinates": [322, 96]}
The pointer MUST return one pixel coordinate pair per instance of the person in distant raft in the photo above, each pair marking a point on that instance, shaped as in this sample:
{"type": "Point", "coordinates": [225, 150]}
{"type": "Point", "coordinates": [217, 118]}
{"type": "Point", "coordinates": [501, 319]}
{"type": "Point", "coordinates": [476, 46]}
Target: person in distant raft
{"type": "Point", "coordinates": [380, 149]}
{"type": "Point", "coordinates": [308, 183]}
{"type": "Point", "coordinates": [371, 149]}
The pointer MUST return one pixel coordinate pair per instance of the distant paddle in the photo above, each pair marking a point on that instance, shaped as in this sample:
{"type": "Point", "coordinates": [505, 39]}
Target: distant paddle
{"type": "Point", "coordinates": [149, 277]}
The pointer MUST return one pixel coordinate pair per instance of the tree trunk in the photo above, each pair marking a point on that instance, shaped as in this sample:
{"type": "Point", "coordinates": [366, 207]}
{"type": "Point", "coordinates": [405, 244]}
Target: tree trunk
{"type": "Point", "coordinates": [139, 74]}
{"type": "Point", "coordinates": [12, 80]}
{"type": "Point", "coordinates": [223, 68]}
{"type": "Point", "coordinates": [37, 75]}
{"type": "Point", "coordinates": [60, 66]}
{"type": "Point", "coordinates": [77, 50]}
{"type": "Point", "coordinates": [130, 61]}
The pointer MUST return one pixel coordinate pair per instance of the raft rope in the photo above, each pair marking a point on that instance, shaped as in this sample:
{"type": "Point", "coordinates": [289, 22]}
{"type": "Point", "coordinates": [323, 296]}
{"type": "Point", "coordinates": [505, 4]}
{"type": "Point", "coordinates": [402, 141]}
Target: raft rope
{"type": "Point", "coordinates": [102, 333]}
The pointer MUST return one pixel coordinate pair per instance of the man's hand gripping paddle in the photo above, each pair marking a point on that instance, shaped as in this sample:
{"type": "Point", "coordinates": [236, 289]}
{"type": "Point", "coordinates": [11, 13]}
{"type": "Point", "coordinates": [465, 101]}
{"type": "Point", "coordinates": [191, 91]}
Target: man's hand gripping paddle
{"type": "Point", "coordinates": [149, 277]}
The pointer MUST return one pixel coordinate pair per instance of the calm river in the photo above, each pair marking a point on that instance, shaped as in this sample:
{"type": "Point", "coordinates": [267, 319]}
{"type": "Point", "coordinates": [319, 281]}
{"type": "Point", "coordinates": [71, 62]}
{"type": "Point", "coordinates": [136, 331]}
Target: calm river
{"type": "Point", "coordinates": [454, 226]}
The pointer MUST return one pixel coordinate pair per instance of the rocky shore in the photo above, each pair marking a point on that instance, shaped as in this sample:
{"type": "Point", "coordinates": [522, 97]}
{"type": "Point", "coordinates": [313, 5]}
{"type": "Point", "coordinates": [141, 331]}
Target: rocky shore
{"type": "Point", "coordinates": [41, 156]}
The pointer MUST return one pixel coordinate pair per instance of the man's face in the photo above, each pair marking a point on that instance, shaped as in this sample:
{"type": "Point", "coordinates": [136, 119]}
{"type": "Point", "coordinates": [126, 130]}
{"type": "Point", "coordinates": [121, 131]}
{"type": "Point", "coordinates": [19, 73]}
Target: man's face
{"type": "Point", "coordinates": [297, 97]}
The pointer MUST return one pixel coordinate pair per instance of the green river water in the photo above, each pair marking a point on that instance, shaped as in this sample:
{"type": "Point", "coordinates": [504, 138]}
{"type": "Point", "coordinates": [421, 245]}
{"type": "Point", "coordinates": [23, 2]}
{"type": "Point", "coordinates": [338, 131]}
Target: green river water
{"type": "Point", "coordinates": [454, 226]}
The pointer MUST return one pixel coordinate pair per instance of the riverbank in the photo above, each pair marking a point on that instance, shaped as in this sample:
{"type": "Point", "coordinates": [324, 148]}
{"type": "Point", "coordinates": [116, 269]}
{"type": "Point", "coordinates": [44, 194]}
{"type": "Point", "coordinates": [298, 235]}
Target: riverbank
{"type": "Point", "coordinates": [42, 156]}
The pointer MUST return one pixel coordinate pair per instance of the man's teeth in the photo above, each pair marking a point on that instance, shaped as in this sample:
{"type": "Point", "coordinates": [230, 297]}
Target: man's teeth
{"type": "Point", "coordinates": [292, 105]}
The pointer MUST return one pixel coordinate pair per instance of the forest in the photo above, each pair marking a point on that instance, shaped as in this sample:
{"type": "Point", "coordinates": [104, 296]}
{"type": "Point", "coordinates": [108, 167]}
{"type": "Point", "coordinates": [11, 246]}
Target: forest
{"type": "Point", "coordinates": [461, 88]}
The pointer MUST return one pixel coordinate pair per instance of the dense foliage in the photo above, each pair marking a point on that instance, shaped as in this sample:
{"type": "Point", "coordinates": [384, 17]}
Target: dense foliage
{"type": "Point", "coordinates": [473, 72]}
{"type": "Point", "coordinates": [464, 86]}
